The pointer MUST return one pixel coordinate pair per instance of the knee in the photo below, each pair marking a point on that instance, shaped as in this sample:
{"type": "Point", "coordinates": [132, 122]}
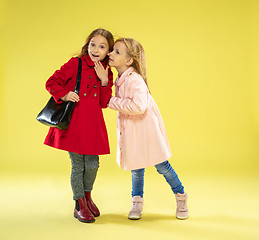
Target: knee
{"type": "Point", "coordinates": [92, 162]}
{"type": "Point", "coordinates": [139, 173]}
{"type": "Point", "coordinates": [163, 167]}
{"type": "Point", "coordinates": [77, 167]}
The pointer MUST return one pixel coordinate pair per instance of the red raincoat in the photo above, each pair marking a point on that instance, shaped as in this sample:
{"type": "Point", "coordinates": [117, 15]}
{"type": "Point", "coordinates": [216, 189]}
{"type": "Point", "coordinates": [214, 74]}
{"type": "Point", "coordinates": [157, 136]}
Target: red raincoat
{"type": "Point", "coordinates": [87, 132]}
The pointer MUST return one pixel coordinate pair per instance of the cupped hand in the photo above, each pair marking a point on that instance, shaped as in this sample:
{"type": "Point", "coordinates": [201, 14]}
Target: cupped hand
{"type": "Point", "coordinates": [102, 73]}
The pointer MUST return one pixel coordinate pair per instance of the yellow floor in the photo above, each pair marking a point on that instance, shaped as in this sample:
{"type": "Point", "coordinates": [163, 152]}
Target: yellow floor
{"type": "Point", "coordinates": [41, 208]}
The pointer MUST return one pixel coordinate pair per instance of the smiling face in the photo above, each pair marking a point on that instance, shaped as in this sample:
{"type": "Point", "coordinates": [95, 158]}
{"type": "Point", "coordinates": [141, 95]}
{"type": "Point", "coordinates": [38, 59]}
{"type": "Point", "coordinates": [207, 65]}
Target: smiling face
{"type": "Point", "coordinates": [119, 57]}
{"type": "Point", "coordinates": [98, 48]}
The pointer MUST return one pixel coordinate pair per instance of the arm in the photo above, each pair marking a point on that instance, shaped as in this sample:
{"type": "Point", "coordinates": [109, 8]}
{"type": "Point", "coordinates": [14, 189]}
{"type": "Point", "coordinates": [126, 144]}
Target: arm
{"type": "Point", "coordinates": [106, 91]}
{"type": "Point", "coordinates": [136, 103]}
{"type": "Point", "coordinates": [55, 85]}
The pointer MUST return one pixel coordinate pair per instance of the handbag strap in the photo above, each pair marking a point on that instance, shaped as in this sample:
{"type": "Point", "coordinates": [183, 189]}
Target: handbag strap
{"type": "Point", "coordinates": [78, 78]}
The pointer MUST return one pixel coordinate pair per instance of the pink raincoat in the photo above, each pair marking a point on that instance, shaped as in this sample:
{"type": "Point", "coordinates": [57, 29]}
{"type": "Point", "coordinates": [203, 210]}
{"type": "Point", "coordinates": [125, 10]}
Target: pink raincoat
{"type": "Point", "coordinates": [142, 139]}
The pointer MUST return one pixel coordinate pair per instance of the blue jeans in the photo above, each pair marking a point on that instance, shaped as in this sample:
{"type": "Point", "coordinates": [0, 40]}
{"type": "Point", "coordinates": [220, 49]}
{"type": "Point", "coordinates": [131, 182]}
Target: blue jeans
{"type": "Point", "coordinates": [163, 168]}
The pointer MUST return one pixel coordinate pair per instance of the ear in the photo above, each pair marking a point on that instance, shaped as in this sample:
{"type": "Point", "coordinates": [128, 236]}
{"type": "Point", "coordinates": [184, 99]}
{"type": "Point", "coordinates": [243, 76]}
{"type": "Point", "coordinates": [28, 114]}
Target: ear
{"type": "Point", "coordinates": [129, 61]}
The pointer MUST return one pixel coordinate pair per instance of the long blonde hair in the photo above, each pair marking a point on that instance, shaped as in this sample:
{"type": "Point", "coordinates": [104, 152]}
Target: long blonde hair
{"type": "Point", "coordinates": [136, 52]}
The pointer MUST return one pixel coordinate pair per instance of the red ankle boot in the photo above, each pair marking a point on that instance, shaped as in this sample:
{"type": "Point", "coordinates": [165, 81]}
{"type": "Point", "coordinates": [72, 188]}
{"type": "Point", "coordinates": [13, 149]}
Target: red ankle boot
{"type": "Point", "coordinates": [92, 207]}
{"type": "Point", "coordinates": [82, 213]}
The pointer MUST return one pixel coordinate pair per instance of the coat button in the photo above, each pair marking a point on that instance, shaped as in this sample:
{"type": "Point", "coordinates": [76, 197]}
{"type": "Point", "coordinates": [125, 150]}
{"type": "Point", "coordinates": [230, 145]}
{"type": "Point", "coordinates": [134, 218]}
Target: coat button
{"type": "Point", "coordinates": [90, 77]}
{"type": "Point", "coordinates": [95, 94]}
{"type": "Point", "coordinates": [130, 73]}
{"type": "Point", "coordinates": [85, 94]}
{"type": "Point", "coordinates": [52, 91]}
{"type": "Point", "coordinates": [88, 86]}
{"type": "Point", "coordinates": [95, 86]}
{"type": "Point", "coordinates": [120, 133]}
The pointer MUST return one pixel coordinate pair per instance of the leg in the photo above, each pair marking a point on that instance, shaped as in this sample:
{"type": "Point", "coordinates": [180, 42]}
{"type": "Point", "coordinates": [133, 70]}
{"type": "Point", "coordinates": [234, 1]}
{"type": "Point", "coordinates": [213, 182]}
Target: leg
{"type": "Point", "coordinates": [181, 197]}
{"type": "Point", "coordinates": [138, 182]}
{"type": "Point", "coordinates": [81, 211]}
{"type": "Point", "coordinates": [91, 165]}
{"type": "Point", "coordinates": [137, 194]}
{"type": "Point", "coordinates": [77, 173]}
{"type": "Point", "coordinates": [171, 177]}
{"type": "Point", "coordinates": [91, 168]}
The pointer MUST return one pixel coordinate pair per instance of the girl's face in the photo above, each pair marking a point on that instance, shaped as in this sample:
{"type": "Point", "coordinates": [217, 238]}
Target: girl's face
{"type": "Point", "coordinates": [98, 48]}
{"type": "Point", "coordinates": [119, 57]}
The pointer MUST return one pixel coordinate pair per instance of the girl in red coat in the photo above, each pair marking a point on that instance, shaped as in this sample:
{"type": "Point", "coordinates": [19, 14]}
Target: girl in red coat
{"type": "Point", "coordinates": [86, 136]}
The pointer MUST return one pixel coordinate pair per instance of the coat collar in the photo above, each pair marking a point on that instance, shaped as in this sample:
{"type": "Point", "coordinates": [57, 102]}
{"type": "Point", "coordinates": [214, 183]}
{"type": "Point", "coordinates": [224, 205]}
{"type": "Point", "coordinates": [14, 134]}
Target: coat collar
{"type": "Point", "coordinates": [90, 63]}
{"type": "Point", "coordinates": [120, 80]}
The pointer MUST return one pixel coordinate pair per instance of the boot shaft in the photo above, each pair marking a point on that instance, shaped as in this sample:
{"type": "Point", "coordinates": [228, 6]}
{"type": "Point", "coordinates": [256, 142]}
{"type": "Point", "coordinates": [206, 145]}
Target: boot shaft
{"type": "Point", "coordinates": [81, 212]}
{"type": "Point", "coordinates": [182, 209]}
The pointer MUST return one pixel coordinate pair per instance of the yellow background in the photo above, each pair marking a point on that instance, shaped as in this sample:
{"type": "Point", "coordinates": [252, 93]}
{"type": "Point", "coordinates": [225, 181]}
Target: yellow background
{"type": "Point", "coordinates": [202, 66]}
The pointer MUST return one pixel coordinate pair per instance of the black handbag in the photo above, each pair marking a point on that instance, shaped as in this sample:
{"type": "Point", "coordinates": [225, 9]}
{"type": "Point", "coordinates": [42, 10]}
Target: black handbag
{"type": "Point", "coordinates": [58, 115]}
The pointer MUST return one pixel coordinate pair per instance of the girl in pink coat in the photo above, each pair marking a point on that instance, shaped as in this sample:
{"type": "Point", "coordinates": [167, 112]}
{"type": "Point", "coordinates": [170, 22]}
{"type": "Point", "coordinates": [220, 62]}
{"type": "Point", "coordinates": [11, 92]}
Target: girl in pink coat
{"type": "Point", "coordinates": [142, 139]}
{"type": "Point", "coordinates": [86, 137]}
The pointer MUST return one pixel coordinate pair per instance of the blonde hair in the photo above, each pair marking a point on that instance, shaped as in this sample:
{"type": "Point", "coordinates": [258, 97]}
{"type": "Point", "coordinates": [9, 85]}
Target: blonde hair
{"type": "Point", "coordinates": [136, 52]}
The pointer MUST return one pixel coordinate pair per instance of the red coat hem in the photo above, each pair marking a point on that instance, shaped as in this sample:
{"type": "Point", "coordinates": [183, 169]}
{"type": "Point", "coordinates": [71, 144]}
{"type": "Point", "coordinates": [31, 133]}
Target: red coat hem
{"type": "Point", "coordinates": [81, 153]}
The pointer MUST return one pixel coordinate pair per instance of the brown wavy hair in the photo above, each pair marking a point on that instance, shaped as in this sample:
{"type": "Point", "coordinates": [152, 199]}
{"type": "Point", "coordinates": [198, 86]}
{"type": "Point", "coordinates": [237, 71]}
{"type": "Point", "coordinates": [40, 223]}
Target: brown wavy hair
{"type": "Point", "coordinates": [136, 52]}
{"type": "Point", "coordinates": [96, 32]}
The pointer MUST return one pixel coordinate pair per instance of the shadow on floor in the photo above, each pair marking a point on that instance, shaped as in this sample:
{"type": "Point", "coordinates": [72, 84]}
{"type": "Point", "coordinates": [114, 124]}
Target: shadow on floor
{"type": "Point", "coordinates": [123, 218]}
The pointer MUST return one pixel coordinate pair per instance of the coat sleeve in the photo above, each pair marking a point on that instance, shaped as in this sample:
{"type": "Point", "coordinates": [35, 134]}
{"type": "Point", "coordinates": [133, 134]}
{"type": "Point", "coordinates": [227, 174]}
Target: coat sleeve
{"type": "Point", "coordinates": [136, 103]}
{"type": "Point", "coordinates": [106, 91]}
{"type": "Point", "coordinates": [55, 85]}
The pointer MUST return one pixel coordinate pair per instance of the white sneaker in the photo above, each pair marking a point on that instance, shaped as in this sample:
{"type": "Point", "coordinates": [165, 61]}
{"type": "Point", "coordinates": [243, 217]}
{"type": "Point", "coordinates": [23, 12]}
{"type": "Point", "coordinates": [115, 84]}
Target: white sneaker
{"type": "Point", "coordinates": [181, 202]}
{"type": "Point", "coordinates": [136, 208]}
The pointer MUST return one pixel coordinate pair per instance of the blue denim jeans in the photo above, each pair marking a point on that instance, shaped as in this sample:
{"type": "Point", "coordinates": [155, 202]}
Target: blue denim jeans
{"type": "Point", "coordinates": [164, 168]}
